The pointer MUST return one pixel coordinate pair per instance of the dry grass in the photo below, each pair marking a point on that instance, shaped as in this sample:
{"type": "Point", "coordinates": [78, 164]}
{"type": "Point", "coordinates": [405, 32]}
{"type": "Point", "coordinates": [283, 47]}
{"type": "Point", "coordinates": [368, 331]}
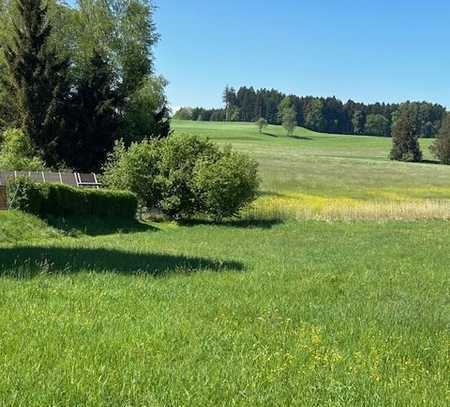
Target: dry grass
{"type": "Point", "coordinates": [302, 206]}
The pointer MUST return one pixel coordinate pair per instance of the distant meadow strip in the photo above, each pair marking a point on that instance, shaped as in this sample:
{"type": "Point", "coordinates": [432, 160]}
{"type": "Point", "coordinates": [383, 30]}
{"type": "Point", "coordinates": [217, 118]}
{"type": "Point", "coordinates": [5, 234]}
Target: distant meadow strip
{"type": "Point", "coordinates": [310, 207]}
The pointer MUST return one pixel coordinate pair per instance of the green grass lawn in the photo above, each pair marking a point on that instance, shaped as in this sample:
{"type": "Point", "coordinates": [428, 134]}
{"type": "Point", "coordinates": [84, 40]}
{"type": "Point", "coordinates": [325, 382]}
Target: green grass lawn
{"type": "Point", "coordinates": [260, 311]}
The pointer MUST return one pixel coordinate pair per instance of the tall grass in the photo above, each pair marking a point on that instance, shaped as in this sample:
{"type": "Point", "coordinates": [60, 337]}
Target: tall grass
{"type": "Point", "coordinates": [253, 314]}
{"type": "Point", "coordinates": [304, 207]}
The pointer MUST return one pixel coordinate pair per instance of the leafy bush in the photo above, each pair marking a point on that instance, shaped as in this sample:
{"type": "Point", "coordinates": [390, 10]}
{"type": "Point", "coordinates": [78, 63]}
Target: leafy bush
{"type": "Point", "coordinates": [25, 195]}
{"type": "Point", "coordinates": [172, 175]}
{"type": "Point", "coordinates": [136, 170]}
{"type": "Point", "coordinates": [17, 153]}
{"type": "Point", "coordinates": [179, 156]}
{"type": "Point", "coordinates": [62, 200]}
{"type": "Point", "coordinates": [227, 185]}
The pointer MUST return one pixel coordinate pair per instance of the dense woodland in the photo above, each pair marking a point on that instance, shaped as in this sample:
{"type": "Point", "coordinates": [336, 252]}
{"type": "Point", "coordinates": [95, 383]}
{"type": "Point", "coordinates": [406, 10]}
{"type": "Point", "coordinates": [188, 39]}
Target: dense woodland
{"type": "Point", "coordinates": [329, 115]}
{"type": "Point", "coordinates": [76, 78]}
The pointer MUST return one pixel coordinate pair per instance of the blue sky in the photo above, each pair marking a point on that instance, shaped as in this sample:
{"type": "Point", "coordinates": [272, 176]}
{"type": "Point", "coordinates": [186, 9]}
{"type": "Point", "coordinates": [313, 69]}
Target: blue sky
{"type": "Point", "coordinates": [366, 50]}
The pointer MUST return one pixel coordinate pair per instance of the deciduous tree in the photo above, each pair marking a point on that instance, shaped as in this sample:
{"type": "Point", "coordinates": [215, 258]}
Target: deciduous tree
{"type": "Point", "coordinates": [261, 124]}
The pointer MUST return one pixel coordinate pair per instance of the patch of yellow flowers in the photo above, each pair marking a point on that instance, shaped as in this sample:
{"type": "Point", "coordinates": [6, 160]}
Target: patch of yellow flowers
{"type": "Point", "coordinates": [386, 206]}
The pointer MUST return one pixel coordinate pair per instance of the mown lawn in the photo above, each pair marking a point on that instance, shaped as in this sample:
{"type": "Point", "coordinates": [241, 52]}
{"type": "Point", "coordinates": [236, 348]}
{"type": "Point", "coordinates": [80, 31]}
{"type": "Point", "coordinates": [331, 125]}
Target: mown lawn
{"type": "Point", "coordinates": [267, 310]}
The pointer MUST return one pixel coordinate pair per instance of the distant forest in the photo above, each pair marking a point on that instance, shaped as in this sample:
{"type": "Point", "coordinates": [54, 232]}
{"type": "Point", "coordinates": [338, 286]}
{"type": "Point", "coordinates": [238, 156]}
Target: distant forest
{"type": "Point", "coordinates": [326, 115]}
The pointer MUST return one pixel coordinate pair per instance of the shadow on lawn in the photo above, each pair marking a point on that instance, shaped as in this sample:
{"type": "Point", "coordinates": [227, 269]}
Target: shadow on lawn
{"type": "Point", "coordinates": [269, 134]}
{"type": "Point", "coordinates": [294, 137]}
{"type": "Point", "coordinates": [28, 261]}
{"type": "Point", "coordinates": [92, 226]}
{"type": "Point", "coordinates": [436, 162]}
{"type": "Point", "coordinates": [301, 138]}
{"type": "Point", "coordinates": [236, 223]}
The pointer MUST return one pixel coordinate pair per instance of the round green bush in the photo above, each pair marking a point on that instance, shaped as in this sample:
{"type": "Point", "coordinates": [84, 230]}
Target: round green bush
{"type": "Point", "coordinates": [183, 176]}
{"type": "Point", "coordinates": [178, 159]}
{"type": "Point", "coordinates": [227, 185]}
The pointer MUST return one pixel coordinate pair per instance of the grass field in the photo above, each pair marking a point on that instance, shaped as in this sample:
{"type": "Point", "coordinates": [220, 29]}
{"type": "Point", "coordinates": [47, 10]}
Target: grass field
{"type": "Point", "coordinates": [335, 177]}
{"type": "Point", "coordinates": [267, 310]}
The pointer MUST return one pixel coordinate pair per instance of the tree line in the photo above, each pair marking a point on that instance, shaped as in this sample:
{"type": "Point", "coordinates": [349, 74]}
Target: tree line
{"type": "Point", "coordinates": [326, 115]}
{"type": "Point", "coordinates": [76, 78]}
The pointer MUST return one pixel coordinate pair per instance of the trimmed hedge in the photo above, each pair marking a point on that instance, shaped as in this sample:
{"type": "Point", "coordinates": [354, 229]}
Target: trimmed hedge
{"type": "Point", "coordinates": [62, 200]}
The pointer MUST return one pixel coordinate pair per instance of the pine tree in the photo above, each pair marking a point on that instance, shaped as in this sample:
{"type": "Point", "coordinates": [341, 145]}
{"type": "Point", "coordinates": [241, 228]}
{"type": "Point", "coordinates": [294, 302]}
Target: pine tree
{"type": "Point", "coordinates": [229, 99]}
{"type": "Point", "coordinates": [37, 79]}
{"type": "Point", "coordinates": [441, 146]}
{"type": "Point", "coordinates": [94, 118]}
{"type": "Point", "coordinates": [405, 143]}
{"type": "Point", "coordinates": [358, 122]}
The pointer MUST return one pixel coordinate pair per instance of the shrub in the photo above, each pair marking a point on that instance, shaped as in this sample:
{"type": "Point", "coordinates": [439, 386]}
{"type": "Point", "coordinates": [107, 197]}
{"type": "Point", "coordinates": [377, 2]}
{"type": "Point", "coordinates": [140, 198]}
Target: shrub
{"type": "Point", "coordinates": [227, 185]}
{"type": "Point", "coordinates": [172, 176]}
{"type": "Point", "coordinates": [179, 156]}
{"type": "Point", "coordinates": [136, 170]}
{"type": "Point", "coordinates": [62, 200]}
{"type": "Point", "coordinates": [25, 195]}
{"type": "Point", "coordinates": [17, 153]}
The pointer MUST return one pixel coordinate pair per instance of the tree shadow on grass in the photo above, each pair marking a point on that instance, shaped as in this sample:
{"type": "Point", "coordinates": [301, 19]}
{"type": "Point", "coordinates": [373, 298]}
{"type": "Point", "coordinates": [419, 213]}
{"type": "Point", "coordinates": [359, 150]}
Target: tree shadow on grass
{"type": "Point", "coordinates": [301, 138]}
{"type": "Point", "coordinates": [28, 261]}
{"type": "Point", "coordinates": [263, 223]}
{"type": "Point", "coordinates": [93, 226]}
{"type": "Point", "coordinates": [436, 162]}
{"type": "Point", "coordinates": [269, 134]}
{"type": "Point", "coordinates": [293, 137]}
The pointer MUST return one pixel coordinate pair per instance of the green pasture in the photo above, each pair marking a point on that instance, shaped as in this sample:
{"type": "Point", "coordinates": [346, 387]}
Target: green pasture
{"type": "Point", "coordinates": [328, 165]}
{"type": "Point", "coordinates": [259, 311]}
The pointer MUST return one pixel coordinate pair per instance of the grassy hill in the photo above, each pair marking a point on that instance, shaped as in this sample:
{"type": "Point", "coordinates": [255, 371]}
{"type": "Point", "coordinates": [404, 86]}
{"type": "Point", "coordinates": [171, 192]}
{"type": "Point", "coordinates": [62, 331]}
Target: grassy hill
{"type": "Point", "coordinates": [266, 310]}
{"type": "Point", "coordinates": [334, 176]}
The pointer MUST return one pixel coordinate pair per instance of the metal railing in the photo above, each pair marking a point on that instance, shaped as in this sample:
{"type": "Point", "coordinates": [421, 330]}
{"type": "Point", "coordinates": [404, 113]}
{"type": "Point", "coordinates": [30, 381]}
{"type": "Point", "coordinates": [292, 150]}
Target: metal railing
{"type": "Point", "coordinates": [77, 179]}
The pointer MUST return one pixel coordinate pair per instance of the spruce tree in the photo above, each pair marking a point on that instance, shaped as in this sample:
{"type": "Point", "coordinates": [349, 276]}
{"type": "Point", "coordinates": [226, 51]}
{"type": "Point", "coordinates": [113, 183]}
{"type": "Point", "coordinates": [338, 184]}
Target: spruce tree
{"type": "Point", "coordinates": [405, 138]}
{"type": "Point", "coordinates": [94, 119]}
{"type": "Point", "coordinates": [36, 78]}
{"type": "Point", "coordinates": [441, 146]}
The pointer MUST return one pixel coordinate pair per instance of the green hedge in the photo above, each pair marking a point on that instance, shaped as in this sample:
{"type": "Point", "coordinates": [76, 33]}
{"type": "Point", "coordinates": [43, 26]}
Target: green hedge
{"type": "Point", "coordinates": [62, 200]}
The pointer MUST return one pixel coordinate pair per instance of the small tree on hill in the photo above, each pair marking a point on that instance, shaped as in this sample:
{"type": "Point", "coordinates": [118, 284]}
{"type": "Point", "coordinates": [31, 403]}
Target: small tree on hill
{"type": "Point", "coordinates": [289, 120]}
{"type": "Point", "coordinates": [405, 143]}
{"type": "Point", "coordinates": [287, 115]}
{"type": "Point", "coordinates": [441, 146]}
{"type": "Point", "coordinates": [261, 123]}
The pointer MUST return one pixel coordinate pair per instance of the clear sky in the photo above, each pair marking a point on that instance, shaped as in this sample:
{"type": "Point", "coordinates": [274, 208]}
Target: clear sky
{"type": "Point", "coordinates": [366, 50]}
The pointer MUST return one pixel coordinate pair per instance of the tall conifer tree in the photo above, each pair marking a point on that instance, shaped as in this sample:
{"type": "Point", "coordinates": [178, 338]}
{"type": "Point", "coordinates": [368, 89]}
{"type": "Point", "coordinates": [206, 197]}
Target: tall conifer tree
{"type": "Point", "coordinates": [405, 137]}
{"type": "Point", "coordinates": [94, 118]}
{"type": "Point", "coordinates": [441, 146]}
{"type": "Point", "coordinates": [37, 78]}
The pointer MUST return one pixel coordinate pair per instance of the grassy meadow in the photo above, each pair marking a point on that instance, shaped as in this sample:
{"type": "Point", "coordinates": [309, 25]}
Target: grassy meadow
{"type": "Point", "coordinates": [331, 291]}
{"type": "Point", "coordinates": [322, 176]}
